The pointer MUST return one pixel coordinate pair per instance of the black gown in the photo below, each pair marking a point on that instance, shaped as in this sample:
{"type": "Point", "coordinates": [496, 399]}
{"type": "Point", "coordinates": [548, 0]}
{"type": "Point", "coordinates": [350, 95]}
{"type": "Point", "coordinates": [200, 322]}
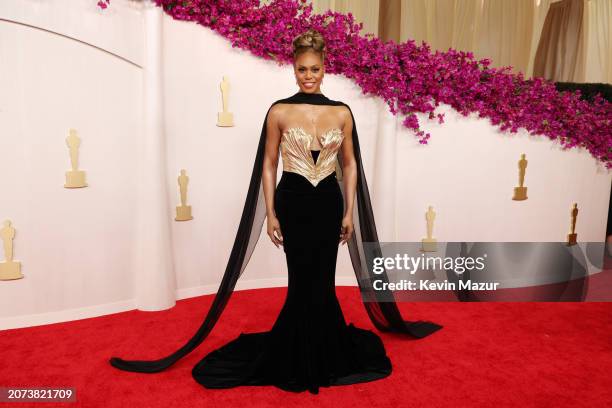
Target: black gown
{"type": "Point", "coordinates": [310, 344]}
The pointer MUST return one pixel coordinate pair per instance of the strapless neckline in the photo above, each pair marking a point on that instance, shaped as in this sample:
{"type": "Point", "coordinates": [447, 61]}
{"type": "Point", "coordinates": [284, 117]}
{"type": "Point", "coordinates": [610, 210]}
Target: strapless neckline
{"type": "Point", "coordinates": [299, 156]}
{"type": "Point", "coordinates": [311, 136]}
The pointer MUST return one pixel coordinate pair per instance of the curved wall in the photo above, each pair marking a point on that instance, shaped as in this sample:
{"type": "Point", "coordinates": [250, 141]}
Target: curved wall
{"type": "Point", "coordinates": [77, 247]}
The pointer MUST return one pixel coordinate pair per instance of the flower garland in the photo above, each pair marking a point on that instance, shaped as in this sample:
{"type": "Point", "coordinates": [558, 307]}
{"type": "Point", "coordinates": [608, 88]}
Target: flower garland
{"type": "Point", "coordinates": [409, 77]}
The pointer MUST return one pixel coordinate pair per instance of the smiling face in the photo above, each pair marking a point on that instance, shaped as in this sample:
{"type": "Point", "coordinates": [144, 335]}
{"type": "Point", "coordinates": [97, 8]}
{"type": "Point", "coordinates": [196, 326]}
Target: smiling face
{"type": "Point", "coordinates": [309, 70]}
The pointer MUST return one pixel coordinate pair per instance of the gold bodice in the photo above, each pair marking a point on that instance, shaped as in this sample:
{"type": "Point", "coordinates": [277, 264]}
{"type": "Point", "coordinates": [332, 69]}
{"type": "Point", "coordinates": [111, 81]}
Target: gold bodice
{"type": "Point", "coordinates": [295, 148]}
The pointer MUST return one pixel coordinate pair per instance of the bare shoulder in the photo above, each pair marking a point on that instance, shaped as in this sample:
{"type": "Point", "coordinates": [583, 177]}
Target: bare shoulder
{"type": "Point", "coordinates": [278, 109]}
{"type": "Point", "coordinates": [345, 114]}
{"type": "Point", "coordinates": [276, 112]}
{"type": "Point", "coordinates": [344, 110]}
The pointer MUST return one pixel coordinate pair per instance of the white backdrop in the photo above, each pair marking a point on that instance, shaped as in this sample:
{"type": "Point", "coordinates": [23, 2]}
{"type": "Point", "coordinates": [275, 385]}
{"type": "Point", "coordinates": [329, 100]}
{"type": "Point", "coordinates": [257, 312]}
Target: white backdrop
{"type": "Point", "coordinates": [145, 104]}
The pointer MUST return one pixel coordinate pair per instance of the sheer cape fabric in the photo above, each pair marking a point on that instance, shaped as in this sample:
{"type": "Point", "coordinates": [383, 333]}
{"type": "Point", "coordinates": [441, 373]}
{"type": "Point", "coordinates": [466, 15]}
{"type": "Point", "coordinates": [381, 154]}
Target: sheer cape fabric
{"type": "Point", "coordinates": [385, 315]}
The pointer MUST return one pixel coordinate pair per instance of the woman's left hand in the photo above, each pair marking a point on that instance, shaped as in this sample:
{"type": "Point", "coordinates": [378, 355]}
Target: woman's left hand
{"type": "Point", "coordinates": [347, 229]}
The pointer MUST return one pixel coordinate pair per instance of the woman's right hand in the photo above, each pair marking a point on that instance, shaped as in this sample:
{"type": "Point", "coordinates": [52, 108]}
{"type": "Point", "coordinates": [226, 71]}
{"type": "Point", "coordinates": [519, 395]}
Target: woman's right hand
{"type": "Point", "coordinates": [274, 231]}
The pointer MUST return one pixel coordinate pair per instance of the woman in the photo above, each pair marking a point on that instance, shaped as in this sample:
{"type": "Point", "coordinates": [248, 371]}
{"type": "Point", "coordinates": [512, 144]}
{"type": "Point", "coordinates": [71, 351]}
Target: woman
{"type": "Point", "coordinates": [309, 214]}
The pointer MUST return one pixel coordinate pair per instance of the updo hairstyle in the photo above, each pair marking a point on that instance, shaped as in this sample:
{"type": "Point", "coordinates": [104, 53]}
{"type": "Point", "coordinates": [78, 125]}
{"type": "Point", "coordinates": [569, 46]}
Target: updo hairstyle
{"type": "Point", "coordinates": [309, 40]}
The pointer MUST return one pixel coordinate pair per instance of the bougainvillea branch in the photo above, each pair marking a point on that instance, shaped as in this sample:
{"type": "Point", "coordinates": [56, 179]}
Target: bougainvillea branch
{"type": "Point", "coordinates": [409, 77]}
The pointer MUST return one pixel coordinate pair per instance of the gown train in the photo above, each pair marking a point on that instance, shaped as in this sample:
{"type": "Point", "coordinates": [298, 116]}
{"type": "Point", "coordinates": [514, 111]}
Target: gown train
{"type": "Point", "coordinates": [310, 344]}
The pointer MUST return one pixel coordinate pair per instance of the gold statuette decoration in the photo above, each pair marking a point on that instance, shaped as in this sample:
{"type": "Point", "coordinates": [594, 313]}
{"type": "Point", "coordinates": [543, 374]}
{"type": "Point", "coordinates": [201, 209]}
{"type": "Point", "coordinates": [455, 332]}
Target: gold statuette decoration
{"type": "Point", "coordinates": [572, 237]}
{"type": "Point", "coordinates": [9, 269]}
{"type": "Point", "coordinates": [520, 192]}
{"type": "Point", "coordinates": [75, 178]}
{"type": "Point", "coordinates": [183, 212]}
{"type": "Point", "coordinates": [225, 118]}
{"type": "Point", "coordinates": [429, 244]}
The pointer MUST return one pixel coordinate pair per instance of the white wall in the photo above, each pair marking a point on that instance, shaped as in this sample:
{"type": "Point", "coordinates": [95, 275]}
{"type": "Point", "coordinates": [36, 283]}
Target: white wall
{"type": "Point", "coordinates": [76, 246]}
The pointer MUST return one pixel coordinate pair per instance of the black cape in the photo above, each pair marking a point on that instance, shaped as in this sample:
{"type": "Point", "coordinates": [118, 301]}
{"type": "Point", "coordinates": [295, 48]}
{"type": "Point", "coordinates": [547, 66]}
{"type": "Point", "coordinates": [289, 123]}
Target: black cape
{"type": "Point", "coordinates": [384, 314]}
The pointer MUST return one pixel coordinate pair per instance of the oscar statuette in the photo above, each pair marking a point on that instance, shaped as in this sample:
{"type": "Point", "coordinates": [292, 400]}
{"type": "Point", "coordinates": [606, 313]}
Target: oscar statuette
{"type": "Point", "coordinates": [9, 269]}
{"type": "Point", "coordinates": [75, 178]}
{"type": "Point", "coordinates": [183, 211]}
{"type": "Point", "coordinates": [225, 118]}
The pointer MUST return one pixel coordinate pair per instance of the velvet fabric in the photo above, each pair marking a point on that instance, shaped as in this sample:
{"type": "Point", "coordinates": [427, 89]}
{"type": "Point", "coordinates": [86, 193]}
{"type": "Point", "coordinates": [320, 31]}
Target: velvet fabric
{"type": "Point", "coordinates": [310, 344]}
{"type": "Point", "coordinates": [383, 313]}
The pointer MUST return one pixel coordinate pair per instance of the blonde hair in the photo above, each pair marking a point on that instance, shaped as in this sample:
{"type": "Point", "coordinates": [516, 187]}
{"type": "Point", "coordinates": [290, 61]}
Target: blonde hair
{"type": "Point", "coordinates": [309, 40]}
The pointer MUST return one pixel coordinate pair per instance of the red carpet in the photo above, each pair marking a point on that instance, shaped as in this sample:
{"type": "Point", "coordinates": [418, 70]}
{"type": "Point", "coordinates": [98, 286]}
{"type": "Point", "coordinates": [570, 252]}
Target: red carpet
{"type": "Point", "coordinates": [487, 354]}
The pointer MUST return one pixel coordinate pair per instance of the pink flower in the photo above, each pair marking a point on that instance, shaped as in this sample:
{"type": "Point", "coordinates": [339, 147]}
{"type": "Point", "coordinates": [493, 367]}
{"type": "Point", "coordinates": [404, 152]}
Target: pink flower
{"type": "Point", "coordinates": [408, 76]}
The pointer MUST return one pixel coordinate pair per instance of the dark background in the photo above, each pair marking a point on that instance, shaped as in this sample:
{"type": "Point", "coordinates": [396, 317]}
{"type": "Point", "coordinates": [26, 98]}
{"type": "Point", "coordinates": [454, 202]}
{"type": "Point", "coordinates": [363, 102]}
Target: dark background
{"type": "Point", "coordinates": [587, 92]}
